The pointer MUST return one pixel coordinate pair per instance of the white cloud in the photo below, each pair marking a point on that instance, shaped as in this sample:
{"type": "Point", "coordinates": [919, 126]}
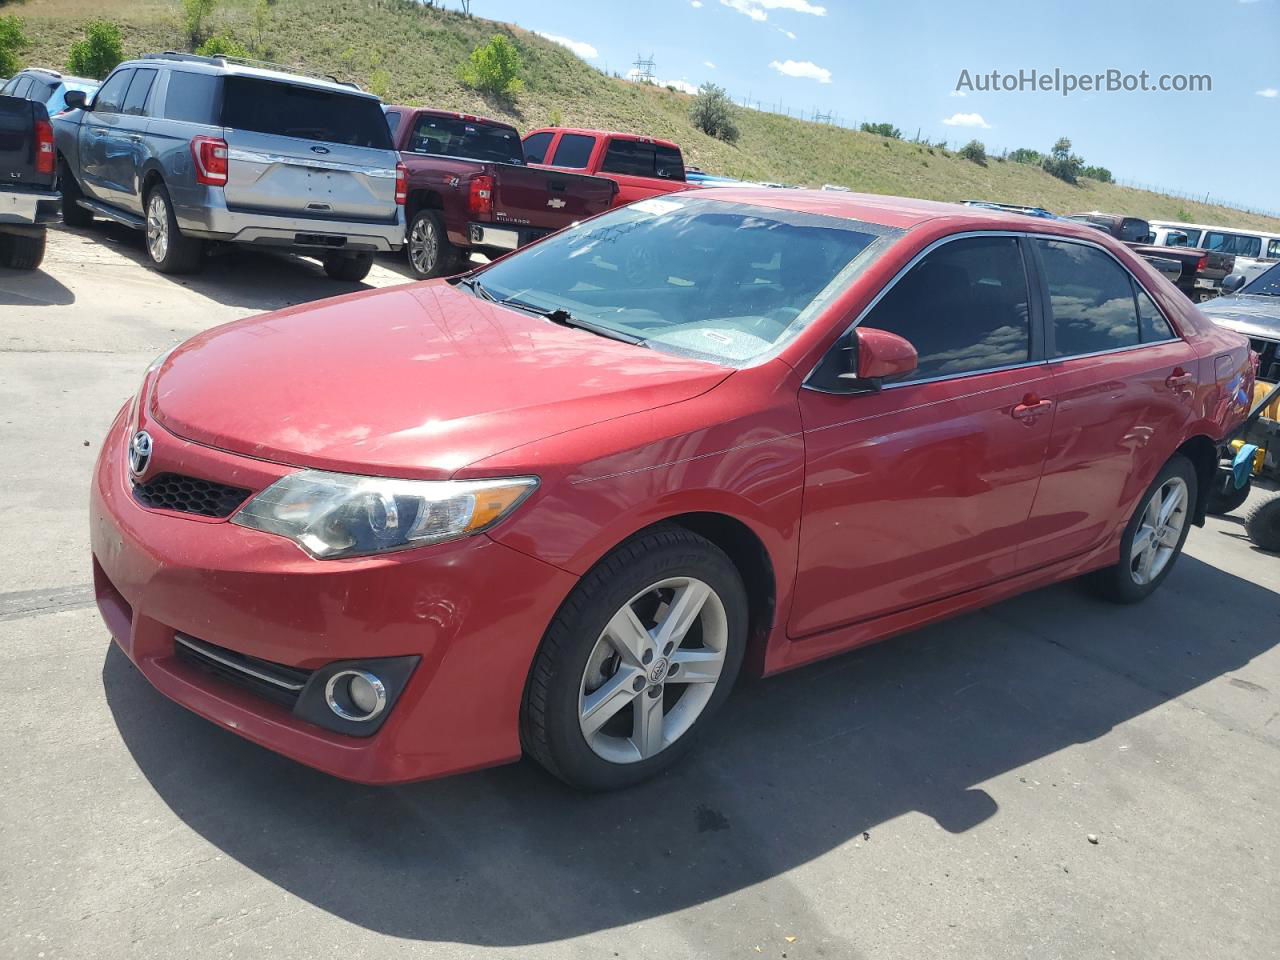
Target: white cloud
{"type": "Point", "coordinates": [967, 120]}
{"type": "Point", "coordinates": [585, 50]}
{"type": "Point", "coordinates": [759, 9]}
{"type": "Point", "coordinates": [708, 64]}
{"type": "Point", "coordinates": [786, 33]}
{"type": "Point", "coordinates": [695, 3]}
{"type": "Point", "coordinates": [802, 68]}
{"type": "Point", "coordinates": [957, 93]}
{"type": "Point", "coordinates": [684, 86]}
{"type": "Point", "coordinates": [1270, 93]}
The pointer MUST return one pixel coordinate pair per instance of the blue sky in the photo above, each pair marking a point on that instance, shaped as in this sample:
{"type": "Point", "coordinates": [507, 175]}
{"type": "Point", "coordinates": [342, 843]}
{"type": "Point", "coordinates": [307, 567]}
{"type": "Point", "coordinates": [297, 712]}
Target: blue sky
{"type": "Point", "coordinates": [899, 60]}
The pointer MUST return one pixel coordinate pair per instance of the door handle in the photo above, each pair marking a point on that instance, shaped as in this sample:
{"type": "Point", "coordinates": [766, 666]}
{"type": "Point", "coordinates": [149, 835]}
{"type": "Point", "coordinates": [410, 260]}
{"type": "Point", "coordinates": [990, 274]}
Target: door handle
{"type": "Point", "coordinates": [1179, 380]}
{"type": "Point", "coordinates": [1031, 408]}
{"type": "Point", "coordinates": [135, 138]}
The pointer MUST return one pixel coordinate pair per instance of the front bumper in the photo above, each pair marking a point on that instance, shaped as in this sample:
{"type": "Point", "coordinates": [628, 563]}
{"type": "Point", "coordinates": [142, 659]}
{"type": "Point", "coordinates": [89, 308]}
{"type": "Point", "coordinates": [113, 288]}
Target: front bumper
{"type": "Point", "coordinates": [473, 611]}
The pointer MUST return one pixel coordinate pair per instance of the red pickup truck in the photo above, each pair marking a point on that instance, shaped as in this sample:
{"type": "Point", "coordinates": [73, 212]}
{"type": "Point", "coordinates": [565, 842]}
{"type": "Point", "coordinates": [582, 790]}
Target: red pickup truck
{"type": "Point", "coordinates": [469, 188]}
{"type": "Point", "coordinates": [640, 166]}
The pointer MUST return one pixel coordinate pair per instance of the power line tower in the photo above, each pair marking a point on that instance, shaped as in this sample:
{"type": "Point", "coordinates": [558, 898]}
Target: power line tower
{"type": "Point", "coordinates": [643, 72]}
{"type": "Point", "coordinates": [821, 117]}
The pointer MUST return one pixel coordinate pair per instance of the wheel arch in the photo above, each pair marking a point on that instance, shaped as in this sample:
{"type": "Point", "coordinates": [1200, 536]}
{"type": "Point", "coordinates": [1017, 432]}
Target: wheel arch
{"type": "Point", "coordinates": [151, 175]}
{"type": "Point", "coordinates": [1203, 454]}
{"type": "Point", "coordinates": [421, 199]}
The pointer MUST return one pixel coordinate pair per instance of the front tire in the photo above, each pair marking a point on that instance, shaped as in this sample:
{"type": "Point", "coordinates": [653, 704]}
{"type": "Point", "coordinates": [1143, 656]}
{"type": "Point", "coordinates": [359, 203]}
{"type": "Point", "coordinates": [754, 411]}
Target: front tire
{"type": "Point", "coordinates": [349, 267]}
{"type": "Point", "coordinates": [1154, 536]}
{"type": "Point", "coordinates": [641, 654]}
{"type": "Point", "coordinates": [427, 245]}
{"type": "Point", "coordinates": [21, 252]}
{"type": "Point", "coordinates": [73, 215]}
{"type": "Point", "coordinates": [1263, 525]}
{"type": "Point", "coordinates": [1224, 495]}
{"type": "Point", "coordinates": [169, 250]}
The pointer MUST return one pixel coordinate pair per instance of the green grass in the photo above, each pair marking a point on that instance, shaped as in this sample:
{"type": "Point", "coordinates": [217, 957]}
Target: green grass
{"type": "Point", "coordinates": [412, 54]}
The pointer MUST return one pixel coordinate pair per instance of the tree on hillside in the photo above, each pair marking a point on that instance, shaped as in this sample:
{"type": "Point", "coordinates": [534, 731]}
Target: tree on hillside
{"type": "Point", "coordinates": [1101, 174]}
{"type": "Point", "coordinates": [98, 53]}
{"type": "Point", "coordinates": [1026, 155]}
{"type": "Point", "coordinates": [220, 44]}
{"type": "Point", "coordinates": [712, 112]}
{"type": "Point", "coordinates": [194, 15]}
{"type": "Point", "coordinates": [493, 68]}
{"type": "Point", "coordinates": [1062, 163]}
{"type": "Point", "coordinates": [976, 151]}
{"type": "Point", "coordinates": [12, 42]}
{"type": "Point", "coordinates": [882, 130]}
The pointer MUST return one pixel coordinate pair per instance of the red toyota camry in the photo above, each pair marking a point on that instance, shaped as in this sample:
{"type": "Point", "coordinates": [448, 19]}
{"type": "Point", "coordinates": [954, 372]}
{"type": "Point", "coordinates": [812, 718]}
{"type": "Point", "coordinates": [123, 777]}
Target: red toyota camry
{"type": "Point", "coordinates": [559, 504]}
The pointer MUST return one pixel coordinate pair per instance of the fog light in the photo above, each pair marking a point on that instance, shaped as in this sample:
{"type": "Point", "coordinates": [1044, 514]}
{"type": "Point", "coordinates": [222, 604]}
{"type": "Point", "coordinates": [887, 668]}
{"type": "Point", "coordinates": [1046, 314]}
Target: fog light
{"type": "Point", "coordinates": [355, 695]}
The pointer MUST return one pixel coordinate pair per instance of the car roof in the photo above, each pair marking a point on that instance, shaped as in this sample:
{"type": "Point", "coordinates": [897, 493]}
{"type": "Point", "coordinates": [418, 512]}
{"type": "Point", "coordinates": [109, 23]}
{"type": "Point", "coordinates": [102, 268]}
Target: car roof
{"type": "Point", "coordinates": [225, 67]}
{"type": "Point", "coordinates": [888, 211]}
{"type": "Point", "coordinates": [612, 134]}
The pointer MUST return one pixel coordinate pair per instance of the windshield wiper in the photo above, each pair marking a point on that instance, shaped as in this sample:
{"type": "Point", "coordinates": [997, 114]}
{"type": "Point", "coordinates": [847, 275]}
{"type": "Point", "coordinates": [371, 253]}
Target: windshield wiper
{"type": "Point", "coordinates": [476, 287]}
{"type": "Point", "coordinates": [564, 318]}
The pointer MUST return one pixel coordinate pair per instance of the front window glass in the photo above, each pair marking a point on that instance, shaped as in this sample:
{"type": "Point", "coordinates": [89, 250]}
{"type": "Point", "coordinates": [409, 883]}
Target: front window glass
{"type": "Point", "coordinates": [964, 307]}
{"type": "Point", "coordinates": [112, 93]}
{"type": "Point", "coordinates": [453, 137]}
{"type": "Point", "coordinates": [573, 150]}
{"type": "Point", "coordinates": [728, 282]}
{"type": "Point", "coordinates": [1091, 297]}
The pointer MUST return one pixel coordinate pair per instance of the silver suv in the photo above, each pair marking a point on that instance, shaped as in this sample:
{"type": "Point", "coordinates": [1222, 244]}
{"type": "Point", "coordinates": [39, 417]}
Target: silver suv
{"type": "Point", "coordinates": [194, 149]}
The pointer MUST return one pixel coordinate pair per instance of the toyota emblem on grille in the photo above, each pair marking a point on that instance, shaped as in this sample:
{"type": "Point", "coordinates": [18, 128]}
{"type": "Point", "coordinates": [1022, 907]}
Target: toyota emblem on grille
{"type": "Point", "coordinates": [139, 453]}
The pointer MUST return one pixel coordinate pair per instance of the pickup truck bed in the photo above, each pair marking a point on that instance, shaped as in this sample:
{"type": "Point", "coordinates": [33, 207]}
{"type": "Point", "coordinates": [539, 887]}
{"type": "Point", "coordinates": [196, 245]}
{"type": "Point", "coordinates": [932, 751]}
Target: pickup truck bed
{"type": "Point", "coordinates": [469, 188]}
{"type": "Point", "coordinates": [27, 199]}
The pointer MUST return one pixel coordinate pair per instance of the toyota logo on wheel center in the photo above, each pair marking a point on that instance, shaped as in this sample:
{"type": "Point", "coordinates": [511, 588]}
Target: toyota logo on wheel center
{"type": "Point", "coordinates": [658, 672]}
{"type": "Point", "coordinates": [139, 453]}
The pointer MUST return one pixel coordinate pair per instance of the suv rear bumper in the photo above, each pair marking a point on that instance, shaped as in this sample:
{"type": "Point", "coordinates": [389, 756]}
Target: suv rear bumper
{"type": "Point", "coordinates": [207, 216]}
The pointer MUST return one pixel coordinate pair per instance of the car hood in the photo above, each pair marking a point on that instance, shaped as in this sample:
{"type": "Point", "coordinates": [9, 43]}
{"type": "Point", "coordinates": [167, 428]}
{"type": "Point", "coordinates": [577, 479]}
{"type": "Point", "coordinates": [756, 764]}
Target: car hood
{"type": "Point", "coordinates": [415, 381]}
{"type": "Point", "coordinates": [1257, 317]}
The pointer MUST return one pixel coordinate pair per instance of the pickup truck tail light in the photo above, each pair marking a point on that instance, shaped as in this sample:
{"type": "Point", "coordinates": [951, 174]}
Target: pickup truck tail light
{"type": "Point", "coordinates": [210, 156]}
{"type": "Point", "coordinates": [480, 199]}
{"type": "Point", "coordinates": [44, 146]}
{"type": "Point", "coordinates": [1202, 263]}
{"type": "Point", "coordinates": [402, 183]}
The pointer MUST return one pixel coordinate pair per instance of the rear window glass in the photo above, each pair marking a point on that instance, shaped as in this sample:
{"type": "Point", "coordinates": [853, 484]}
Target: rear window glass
{"type": "Point", "coordinates": [1091, 297]}
{"type": "Point", "coordinates": [21, 88]}
{"type": "Point", "coordinates": [637, 159]}
{"type": "Point", "coordinates": [535, 147]}
{"type": "Point", "coordinates": [573, 150]}
{"type": "Point", "coordinates": [455, 137]}
{"type": "Point", "coordinates": [1234, 243]}
{"type": "Point", "coordinates": [191, 97]}
{"type": "Point", "coordinates": [265, 106]}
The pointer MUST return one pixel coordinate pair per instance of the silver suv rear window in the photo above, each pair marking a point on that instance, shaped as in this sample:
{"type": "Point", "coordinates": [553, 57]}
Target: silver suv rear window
{"type": "Point", "coordinates": [267, 106]}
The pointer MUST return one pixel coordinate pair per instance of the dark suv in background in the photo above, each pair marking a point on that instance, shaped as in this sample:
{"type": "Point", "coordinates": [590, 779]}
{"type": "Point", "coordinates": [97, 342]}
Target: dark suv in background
{"type": "Point", "coordinates": [194, 149]}
{"type": "Point", "coordinates": [48, 87]}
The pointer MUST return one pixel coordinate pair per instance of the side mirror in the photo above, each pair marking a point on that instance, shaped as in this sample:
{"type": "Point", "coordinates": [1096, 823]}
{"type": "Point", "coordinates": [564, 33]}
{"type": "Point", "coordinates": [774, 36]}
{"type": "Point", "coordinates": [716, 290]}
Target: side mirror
{"type": "Point", "coordinates": [875, 356]}
{"type": "Point", "coordinates": [75, 100]}
{"type": "Point", "coordinates": [1233, 283]}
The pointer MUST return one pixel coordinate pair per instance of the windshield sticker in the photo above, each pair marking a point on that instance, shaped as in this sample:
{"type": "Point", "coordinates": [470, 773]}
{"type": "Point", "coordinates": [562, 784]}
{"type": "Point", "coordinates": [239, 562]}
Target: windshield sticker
{"type": "Point", "coordinates": [656, 207]}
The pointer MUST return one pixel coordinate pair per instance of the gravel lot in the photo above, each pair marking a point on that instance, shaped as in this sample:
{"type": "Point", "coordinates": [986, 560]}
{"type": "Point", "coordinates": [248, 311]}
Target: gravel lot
{"type": "Point", "coordinates": [934, 796]}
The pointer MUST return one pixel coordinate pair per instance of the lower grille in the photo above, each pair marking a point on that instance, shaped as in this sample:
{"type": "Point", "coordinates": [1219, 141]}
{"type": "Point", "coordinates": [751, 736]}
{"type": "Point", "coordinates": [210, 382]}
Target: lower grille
{"type": "Point", "coordinates": [271, 680]}
{"type": "Point", "coordinates": [173, 491]}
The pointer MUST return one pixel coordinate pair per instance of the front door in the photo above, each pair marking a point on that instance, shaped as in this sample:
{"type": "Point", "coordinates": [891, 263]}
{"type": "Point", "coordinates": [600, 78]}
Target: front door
{"type": "Point", "coordinates": [922, 490]}
{"type": "Point", "coordinates": [101, 138]}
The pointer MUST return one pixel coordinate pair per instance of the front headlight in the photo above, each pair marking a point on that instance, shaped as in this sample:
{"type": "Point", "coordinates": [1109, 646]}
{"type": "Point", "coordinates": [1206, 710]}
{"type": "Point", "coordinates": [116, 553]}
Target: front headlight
{"type": "Point", "coordinates": [340, 515]}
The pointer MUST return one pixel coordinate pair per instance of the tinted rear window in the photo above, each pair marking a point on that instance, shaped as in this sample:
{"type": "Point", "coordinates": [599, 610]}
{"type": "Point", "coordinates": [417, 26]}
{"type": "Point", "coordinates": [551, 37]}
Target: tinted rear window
{"type": "Point", "coordinates": [637, 159]}
{"type": "Point", "coordinates": [454, 137]}
{"type": "Point", "coordinates": [573, 150]}
{"type": "Point", "coordinates": [192, 97]}
{"type": "Point", "coordinates": [265, 106]}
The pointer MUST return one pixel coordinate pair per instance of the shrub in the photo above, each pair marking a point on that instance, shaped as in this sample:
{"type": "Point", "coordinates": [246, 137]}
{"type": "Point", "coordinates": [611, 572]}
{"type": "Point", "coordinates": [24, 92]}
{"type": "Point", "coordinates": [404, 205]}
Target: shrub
{"type": "Point", "coordinates": [493, 67]}
{"type": "Point", "coordinates": [194, 14]}
{"type": "Point", "coordinates": [555, 118]}
{"type": "Point", "coordinates": [1101, 174]}
{"type": "Point", "coordinates": [1026, 155]}
{"type": "Point", "coordinates": [98, 53]}
{"type": "Point", "coordinates": [380, 83]}
{"type": "Point", "coordinates": [1062, 163]}
{"type": "Point", "coordinates": [976, 151]}
{"type": "Point", "coordinates": [712, 112]}
{"type": "Point", "coordinates": [12, 42]}
{"type": "Point", "coordinates": [882, 130]}
{"type": "Point", "coordinates": [222, 45]}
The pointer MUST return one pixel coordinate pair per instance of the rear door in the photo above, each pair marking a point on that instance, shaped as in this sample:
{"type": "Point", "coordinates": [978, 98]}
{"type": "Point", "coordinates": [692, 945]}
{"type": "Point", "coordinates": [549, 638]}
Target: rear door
{"type": "Point", "coordinates": [297, 150]}
{"type": "Point", "coordinates": [1123, 382]}
{"type": "Point", "coordinates": [126, 150]}
{"type": "Point", "coordinates": [922, 490]}
{"type": "Point", "coordinates": [642, 168]}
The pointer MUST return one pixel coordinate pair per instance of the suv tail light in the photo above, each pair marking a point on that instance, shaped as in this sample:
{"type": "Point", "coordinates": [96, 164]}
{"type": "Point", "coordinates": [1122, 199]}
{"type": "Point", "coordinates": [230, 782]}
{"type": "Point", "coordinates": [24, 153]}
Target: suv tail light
{"type": "Point", "coordinates": [402, 183]}
{"type": "Point", "coordinates": [210, 156]}
{"type": "Point", "coordinates": [480, 199]}
{"type": "Point", "coordinates": [1202, 263]}
{"type": "Point", "coordinates": [44, 146]}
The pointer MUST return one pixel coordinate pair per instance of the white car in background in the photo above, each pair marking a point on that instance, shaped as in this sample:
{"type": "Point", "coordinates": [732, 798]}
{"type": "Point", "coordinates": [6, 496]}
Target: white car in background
{"type": "Point", "coordinates": [1254, 250]}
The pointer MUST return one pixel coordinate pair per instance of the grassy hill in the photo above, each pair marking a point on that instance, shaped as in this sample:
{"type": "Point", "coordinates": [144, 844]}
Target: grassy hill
{"type": "Point", "coordinates": [410, 54]}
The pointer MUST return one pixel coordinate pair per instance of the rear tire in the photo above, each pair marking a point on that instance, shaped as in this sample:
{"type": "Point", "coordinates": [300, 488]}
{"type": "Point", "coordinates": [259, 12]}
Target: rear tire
{"type": "Point", "coordinates": [73, 215]}
{"type": "Point", "coordinates": [21, 252]}
{"type": "Point", "coordinates": [640, 655]}
{"type": "Point", "coordinates": [1263, 525]}
{"type": "Point", "coordinates": [169, 250]}
{"type": "Point", "coordinates": [428, 248]}
{"type": "Point", "coordinates": [1154, 536]}
{"type": "Point", "coordinates": [346, 266]}
{"type": "Point", "coordinates": [1224, 496]}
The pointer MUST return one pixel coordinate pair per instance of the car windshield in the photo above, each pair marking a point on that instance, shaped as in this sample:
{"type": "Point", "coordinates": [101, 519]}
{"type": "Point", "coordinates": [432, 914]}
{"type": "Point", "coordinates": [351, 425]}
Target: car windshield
{"type": "Point", "coordinates": [1264, 284]}
{"type": "Point", "coordinates": [727, 282]}
{"type": "Point", "coordinates": [459, 137]}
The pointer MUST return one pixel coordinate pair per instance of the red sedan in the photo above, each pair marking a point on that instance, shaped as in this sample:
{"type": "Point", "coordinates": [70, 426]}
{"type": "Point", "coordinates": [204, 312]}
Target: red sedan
{"type": "Point", "coordinates": [558, 504]}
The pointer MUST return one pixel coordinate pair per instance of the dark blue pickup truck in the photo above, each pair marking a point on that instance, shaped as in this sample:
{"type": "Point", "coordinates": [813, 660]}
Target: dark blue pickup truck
{"type": "Point", "coordinates": [28, 200]}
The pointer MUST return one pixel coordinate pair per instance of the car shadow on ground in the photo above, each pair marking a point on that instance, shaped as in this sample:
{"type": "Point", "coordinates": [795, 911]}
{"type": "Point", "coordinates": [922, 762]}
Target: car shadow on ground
{"type": "Point", "coordinates": [254, 278]}
{"type": "Point", "coordinates": [32, 288]}
{"type": "Point", "coordinates": [794, 767]}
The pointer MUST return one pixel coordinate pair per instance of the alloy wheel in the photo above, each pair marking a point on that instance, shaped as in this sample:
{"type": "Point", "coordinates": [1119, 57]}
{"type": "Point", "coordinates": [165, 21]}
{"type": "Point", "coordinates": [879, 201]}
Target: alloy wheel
{"type": "Point", "coordinates": [157, 228]}
{"type": "Point", "coordinates": [424, 245]}
{"type": "Point", "coordinates": [653, 670]}
{"type": "Point", "coordinates": [1159, 531]}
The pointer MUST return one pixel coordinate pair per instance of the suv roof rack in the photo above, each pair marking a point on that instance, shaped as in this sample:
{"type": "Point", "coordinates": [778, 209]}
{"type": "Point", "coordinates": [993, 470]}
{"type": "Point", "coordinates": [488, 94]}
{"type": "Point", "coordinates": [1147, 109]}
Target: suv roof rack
{"type": "Point", "coordinates": [222, 59]}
